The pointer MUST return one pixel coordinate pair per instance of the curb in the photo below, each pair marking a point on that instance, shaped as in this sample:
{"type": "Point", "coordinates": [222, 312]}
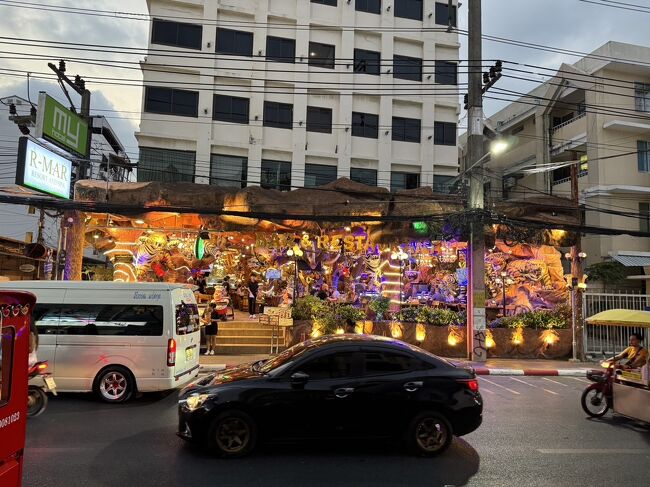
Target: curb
{"type": "Point", "coordinates": [532, 372]}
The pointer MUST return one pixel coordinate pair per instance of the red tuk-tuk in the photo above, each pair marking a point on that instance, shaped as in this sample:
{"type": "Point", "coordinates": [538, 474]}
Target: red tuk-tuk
{"type": "Point", "coordinates": [15, 314]}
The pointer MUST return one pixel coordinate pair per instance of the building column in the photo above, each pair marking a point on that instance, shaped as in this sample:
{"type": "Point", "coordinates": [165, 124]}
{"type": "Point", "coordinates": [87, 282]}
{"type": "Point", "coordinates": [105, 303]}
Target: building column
{"type": "Point", "coordinates": [74, 228]}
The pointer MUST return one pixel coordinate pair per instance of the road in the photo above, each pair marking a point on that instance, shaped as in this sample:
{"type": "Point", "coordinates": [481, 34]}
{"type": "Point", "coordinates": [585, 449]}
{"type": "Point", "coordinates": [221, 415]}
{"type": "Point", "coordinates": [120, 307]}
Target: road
{"type": "Point", "coordinates": [534, 434]}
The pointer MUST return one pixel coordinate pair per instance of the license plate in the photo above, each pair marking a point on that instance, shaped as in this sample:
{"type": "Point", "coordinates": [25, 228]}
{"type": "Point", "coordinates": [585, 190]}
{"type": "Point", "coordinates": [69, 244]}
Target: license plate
{"type": "Point", "coordinates": [189, 353]}
{"type": "Point", "coordinates": [51, 385]}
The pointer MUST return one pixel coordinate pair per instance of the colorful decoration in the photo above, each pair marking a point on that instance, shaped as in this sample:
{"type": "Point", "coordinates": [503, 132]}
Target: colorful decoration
{"type": "Point", "coordinates": [489, 340]}
{"type": "Point", "coordinates": [420, 332]}
{"type": "Point", "coordinates": [550, 337]}
{"type": "Point", "coordinates": [455, 336]}
{"type": "Point", "coordinates": [518, 336]}
{"type": "Point", "coordinates": [396, 330]}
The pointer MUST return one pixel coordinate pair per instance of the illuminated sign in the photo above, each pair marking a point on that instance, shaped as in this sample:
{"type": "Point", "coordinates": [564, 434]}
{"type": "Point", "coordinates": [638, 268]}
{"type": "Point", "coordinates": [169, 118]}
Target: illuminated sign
{"type": "Point", "coordinates": [58, 125]}
{"type": "Point", "coordinates": [199, 248]}
{"type": "Point", "coordinates": [43, 170]}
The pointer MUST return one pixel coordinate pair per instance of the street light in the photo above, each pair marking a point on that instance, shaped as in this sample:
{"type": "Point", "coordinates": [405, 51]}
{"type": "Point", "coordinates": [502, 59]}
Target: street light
{"type": "Point", "coordinates": [401, 256]}
{"type": "Point", "coordinates": [498, 146]}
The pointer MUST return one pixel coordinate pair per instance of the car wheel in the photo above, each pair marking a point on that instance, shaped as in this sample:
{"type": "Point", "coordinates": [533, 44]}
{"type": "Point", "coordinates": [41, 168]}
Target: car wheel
{"type": "Point", "coordinates": [232, 434]}
{"type": "Point", "coordinates": [429, 434]}
{"type": "Point", "coordinates": [114, 384]}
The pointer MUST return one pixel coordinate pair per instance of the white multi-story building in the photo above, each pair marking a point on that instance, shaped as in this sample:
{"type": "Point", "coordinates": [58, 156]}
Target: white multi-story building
{"type": "Point", "coordinates": [291, 93]}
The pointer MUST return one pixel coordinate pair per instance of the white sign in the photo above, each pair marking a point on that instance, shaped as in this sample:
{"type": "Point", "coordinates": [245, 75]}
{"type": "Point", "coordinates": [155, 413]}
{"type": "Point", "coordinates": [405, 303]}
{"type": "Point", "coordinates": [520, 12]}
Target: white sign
{"type": "Point", "coordinates": [41, 169]}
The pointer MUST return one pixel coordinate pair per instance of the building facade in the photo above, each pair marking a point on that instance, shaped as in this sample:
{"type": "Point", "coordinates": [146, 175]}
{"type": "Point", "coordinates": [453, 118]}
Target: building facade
{"type": "Point", "coordinates": [594, 113]}
{"type": "Point", "coordinates": [293, 93]}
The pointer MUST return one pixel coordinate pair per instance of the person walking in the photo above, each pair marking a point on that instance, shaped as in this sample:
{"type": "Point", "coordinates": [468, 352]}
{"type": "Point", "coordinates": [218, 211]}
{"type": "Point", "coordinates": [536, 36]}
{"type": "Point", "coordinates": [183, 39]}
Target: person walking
{"type": "Point", "coordinates": [253, 289]}
{"type": "Point", "coordinates": [212, 329]}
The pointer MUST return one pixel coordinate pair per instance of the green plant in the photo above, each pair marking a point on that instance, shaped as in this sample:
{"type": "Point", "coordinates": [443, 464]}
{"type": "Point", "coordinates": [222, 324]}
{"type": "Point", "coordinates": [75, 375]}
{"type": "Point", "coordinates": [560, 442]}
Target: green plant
{"type": "Point", "coordinates": [440, 316]}
{"type": "Point", "coordinates": [307, 308]}
{"type": "Point", "coordinates": [334, 316]}
{"type": "Point", "coordinates": [380, 306]}
{"type": "Point", "coordinates": [542, 319]}
{"type": "Point", "coordinates": [409, 315]}
{"type": "Point", "coordinates": [609, 272]}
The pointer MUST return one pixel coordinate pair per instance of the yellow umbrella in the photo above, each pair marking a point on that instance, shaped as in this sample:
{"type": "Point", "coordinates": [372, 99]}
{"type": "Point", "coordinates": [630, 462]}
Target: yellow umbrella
{"type": "Point", "coordinates": [621, 317]}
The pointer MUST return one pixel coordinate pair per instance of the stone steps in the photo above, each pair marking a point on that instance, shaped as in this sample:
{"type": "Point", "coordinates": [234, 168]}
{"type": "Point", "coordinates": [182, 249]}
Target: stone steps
{"type": "Point", "coordinates": [243, 349]}
{"type": "Point", "coordinates": [250, 340]}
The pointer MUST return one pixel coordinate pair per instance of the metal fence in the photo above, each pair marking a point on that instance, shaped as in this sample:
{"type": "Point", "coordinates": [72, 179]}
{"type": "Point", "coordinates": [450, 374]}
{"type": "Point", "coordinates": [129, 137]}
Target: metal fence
{"type": "Point", "coordinates": [601, 339]}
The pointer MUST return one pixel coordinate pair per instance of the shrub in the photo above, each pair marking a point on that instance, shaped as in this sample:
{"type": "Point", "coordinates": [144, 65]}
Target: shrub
{"type": "Point", "coordinates": [307, 308]}
{"type": "Point", "coordinates": [440, 316]}
{"type": "Point", "coordinates": [409, 315]}
{"type": "Point", "coordinates": [335, 315]}
{"type": "Point", "coordinates": [542, 319]}
{"type": "Point", "coordinates": [380, 306]}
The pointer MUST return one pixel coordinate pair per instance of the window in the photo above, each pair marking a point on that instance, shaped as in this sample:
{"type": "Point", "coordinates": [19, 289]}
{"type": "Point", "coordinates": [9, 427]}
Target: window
{"type": "Point", "coordinates": [228, 171]}
{"type": "Point", "coordinates": [644, 221]}
{"type": "Point", "coordinates": [442, 184]}
{"type": "Point", "coordinates": [331, 3]}
{"type": "Point", "coordinates": [332, 366]}
{"type": "Point", "coordinates": [230, 109]}
{"type": "Point", "coordinates": [370, 6]}
{"type": "Point", "coordinates": [642, 97]}
{"type": "Point", "coordinates": [365, 125]}
{"type": "Point", "coordinates": [444, 16]}
{"type": "Point", "coordinates": [321, 55]}
{"type": "Point", "coordinates": [110, 319]}
{"type": "Point", "coordinates": [319, 120]}
{"type": "Point", "coordinates": [276, 175]}
{"type": "Point", "coordinates": [319, 174]}
{"type": "Point", "coordinates": [406, 129]}
{"type": "Point", "coordinates": [366, 61]}
{"type": "Point", "coordinates": [176, 34]}
{"type": "Point", "coordinates": [279, 115]}
{"type": "Point", "coordinates": [404, 180]}
{"type": "Point", "coordinates": [408, 9]}
{"type": "Point", "coordinates": [380, 362]}
{"type": "Point", "coordinates": [166, 165]}
{"type": "Point", "coordinates": [643, 155]}
{"type": "Point", "coordinates": [234, 42]}
{"type": "Point", "coordinates": [365, 176]}
{"type": "Point", "coordinates": [46, 318]}
{"type": "Point", "coordinates": [444, 133]}
{"type": "Point", "coordinates": [7, 340]}
{"type": "Point", "coordinates": [280, 49]}
{"type": "Point", "coordinates": [187, 319]}
{"type": "Point", "coordinates": [170, 101]}
{"type": "Point", "coordinates": [446, 73]}
{"type": "Point", "coordinates": [405, 67]}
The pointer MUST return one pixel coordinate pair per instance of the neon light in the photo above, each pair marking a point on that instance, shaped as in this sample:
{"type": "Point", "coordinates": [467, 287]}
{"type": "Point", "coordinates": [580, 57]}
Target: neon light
{"type": "Point", "coordinates": [199, 248]}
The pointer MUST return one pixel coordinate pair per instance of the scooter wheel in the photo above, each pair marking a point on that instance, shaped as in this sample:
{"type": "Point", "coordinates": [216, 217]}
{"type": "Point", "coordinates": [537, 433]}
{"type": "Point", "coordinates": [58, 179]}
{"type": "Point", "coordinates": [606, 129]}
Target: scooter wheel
{"type": "Point", "coordinates": [36, 401]}
{"type": "Point", "coordinates": [594, 402]}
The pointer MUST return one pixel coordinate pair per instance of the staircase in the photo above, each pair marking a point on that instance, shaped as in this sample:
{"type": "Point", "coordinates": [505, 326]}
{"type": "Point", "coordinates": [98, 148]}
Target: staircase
{"type": "Point", "coordinates": [245, 337]}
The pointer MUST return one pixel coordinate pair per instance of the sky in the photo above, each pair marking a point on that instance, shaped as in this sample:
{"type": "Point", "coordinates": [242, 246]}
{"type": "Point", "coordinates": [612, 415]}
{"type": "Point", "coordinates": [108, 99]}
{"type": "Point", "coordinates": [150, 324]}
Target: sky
{"type": "Point", "coordinates": [569, 24]}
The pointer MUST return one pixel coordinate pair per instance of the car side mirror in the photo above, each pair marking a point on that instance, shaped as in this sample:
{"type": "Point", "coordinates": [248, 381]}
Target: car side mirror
{"type": "Point", "coordinates": [299, 379]}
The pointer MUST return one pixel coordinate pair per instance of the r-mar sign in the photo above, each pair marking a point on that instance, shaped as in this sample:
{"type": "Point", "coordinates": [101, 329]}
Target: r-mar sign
{"type": "Point", "coordinates": [56, 124]}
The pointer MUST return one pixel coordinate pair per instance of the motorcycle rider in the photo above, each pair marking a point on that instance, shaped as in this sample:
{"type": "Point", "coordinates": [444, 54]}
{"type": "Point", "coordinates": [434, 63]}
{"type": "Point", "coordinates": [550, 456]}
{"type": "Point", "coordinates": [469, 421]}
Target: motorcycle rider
{"type": "Point", "coordinates": [636, 355]}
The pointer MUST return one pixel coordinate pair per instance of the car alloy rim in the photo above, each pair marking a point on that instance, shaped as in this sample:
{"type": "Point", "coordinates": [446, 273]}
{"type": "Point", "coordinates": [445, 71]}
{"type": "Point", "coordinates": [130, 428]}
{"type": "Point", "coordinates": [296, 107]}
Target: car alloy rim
{"type": "Point", "coordinates": [113, 386]}
{"type": "Point", "coordinates": [597, 400]}
{"type": "Point", "coordinates": [233, 435]}
{"type": "Point", "coordinates": [431, 434]}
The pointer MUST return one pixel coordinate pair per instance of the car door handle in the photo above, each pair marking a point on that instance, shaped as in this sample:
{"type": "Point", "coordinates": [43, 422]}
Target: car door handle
{"type": "Point", "coordinates": [343, 392]}
{"type": "Point", "coordinates": [413, 386]}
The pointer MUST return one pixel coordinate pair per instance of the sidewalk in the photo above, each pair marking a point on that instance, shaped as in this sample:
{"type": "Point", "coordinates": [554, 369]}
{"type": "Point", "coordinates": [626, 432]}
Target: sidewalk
{"type": "Point", "coordinates": [215, 363]}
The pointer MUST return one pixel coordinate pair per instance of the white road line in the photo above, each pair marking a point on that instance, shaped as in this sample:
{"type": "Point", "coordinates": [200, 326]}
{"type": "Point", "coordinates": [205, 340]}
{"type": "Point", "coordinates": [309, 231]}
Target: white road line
{"type": "Point", "coordinates": [580, 380]}
{"type": "Point", "coordinates": [593, 451]}
{"type": "Point", "coordinates": [536, 387]}
{"type": "Point", "coordinates": [555, 382]}
{"type": "Point", "coordinates": [483, 389]}
{"type": "Point", "coordinates": [499, 385]}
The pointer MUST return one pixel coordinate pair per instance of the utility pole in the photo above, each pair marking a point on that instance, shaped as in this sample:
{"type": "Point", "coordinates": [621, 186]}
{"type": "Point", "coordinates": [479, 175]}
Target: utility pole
{"type": "Point", "coordinates": [476, 299]}
{"type": "Point", "coordinates": [576, 269]}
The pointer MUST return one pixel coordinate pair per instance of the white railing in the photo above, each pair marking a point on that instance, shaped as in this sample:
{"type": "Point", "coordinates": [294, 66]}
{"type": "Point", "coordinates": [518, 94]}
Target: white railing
{"type": "Point", "coordinates": [599, 339]}
{"type": "Point", "coordinates": [568, 122]}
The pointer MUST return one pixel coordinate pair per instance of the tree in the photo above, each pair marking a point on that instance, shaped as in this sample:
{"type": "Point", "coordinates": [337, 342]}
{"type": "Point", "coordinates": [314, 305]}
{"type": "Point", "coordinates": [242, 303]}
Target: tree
{"type": "Point", "coordinates": [609, 272]}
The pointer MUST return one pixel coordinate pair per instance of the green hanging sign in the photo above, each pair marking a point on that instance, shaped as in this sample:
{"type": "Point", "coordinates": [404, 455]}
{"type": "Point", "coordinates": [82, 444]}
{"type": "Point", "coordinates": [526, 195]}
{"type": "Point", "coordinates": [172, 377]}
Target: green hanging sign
{"type": "Point", "coordinates": [58, 125]}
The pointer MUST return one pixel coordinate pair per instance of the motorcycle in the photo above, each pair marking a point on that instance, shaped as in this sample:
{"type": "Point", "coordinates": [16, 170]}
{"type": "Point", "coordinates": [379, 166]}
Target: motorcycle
{"type": "Point", "coordinates": [36, 393]}
{"type": "Point", "coordinates": [597, 398]}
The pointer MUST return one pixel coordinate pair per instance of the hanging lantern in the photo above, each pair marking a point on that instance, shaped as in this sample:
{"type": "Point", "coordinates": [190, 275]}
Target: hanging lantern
{"type": "Point", "coordinates": [420, 332]}
{"type": "Point", "coordinates": [489, 340]}
{"type": "Point", "coordinates": [454, 337]}
{"type": "Point", "coordinates": [396, 330]}
{"type": "Point", "coordinates": [550, 337]}
{"type": "Point", "coordinates": [518, 336]}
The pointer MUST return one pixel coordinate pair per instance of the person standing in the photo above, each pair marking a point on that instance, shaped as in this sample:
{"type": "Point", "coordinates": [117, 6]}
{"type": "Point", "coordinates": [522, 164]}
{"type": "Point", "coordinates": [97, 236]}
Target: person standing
{"type": "Point", "coordinates": [212, 329]}
{"type": "Point", "coordinates": [253, 289]}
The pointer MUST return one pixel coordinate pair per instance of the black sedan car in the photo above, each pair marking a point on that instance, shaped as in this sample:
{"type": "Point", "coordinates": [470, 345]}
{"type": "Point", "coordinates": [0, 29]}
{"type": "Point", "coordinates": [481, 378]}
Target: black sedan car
{"type": "Point", "coordinates": [334, 387]}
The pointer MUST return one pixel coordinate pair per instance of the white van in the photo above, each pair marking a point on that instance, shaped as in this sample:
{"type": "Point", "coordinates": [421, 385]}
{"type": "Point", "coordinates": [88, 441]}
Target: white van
{"type": "Point", "coordinates": [115, 338]}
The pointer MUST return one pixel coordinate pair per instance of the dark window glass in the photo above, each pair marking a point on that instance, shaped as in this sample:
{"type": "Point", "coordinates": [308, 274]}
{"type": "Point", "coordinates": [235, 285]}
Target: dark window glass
{"type": "Point", "coordinates": [280, 49]}
{"type": "Point", "coordinates": [406, 129]}
{"type": "Point", "coordinates": [444, 133]}
{"type": "Point", "coordinates": [230, 109]}
{"type": "Point", "coordinates": [176, 34]}
{"type": "Point", "coordinates": [318, 174]}
{"type": "Point", "coordinates": [643, 155]}
{"type": "Point", "coordinates": [276, 175]}
{"type": "Point", "coordinates": [319, 120]}
{"type": "Point", "coordinates": [442, 184]}
{"type": "Point", "coordinates": [642, 97]}
{"type": "Point", "coordinates": [331, 3]}
{"type": "Point", "coordinates": [372, 6]}
{"type": "Point", "coordinates": [443, 16]}
{"type": "Point", "coordinates": [187, 319]}
{"type": "Point", "coordinates": [166, 165]}
{"type": "Point", "coordinates": [405, 67]}
{"type": "Point", "coordinates": [279, 115]}
{"type": "Point", "coordinates": [404, 180]}
{"type": "Point", "coordinates": [365, 125]}
{"type": "Point", "coordinates": [366, 61]}
{"type": "Point", "coordinates": [408, 9]}
{"type": "Point", "coordinates": [7, 340]}
{"type": "Point", "coordinates": [379, 363]}
{"type": "Point", "coordinates": [111, 319]}
{"type": "Point", "coordinates": [321, 55]}
{"type": "Point", "coordinates": [446, 73]}
{"type": "Point", "coordinates": [365, 176]}
{"type": "Point", "coordinates": [332, 366]}
{"type": "Point", "coordinates": [235, 42]}
{"type": "Point", "coordinates": [170, 101]}
{"type": "Point", "coordinates": [644, 212]}
{"type": "Point", "coordinates": [228, 171]}
{"type": "Point", "coordinates": [46, 318]}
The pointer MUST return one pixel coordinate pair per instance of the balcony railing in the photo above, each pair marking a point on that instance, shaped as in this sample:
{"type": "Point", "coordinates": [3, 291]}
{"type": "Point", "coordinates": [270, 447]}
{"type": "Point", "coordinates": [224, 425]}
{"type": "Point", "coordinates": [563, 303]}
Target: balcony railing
{"type": "Point", "coordinates": [568, 122]}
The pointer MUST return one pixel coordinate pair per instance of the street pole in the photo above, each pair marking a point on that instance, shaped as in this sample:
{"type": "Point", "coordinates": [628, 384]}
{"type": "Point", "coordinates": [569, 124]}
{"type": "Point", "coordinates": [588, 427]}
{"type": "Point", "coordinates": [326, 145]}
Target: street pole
{"type": "Point", "coordinates": [476, 302]}
{"type": "Point", "coordinates": [576, 271]}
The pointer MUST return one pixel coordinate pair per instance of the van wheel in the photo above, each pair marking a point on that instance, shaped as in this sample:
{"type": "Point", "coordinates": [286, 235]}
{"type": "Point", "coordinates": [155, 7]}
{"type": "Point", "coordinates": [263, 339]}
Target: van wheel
{"type": "Point", "coordinates": [114, 384]}
{"type": "Point", "coordinates": [232, 434]}
{"type": "Point", "coordinates": [429, 434]}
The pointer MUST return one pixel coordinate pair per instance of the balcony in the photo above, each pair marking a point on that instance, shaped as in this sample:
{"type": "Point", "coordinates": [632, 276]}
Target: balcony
{"type": "Point", "coordinates": [511, 161]}
{"type": "Point", "coordinates": [569, 135]}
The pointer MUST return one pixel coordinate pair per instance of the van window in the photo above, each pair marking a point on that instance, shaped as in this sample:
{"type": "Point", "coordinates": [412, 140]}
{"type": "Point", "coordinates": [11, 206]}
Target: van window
{"type": "Point", "coordinates": [46, 318]}
{"type": "Point", "coordinates": [110, 319]}
{"type": "Point", "coordinates": [6, 359]}
{"type": "Point", "coordinates": [187, 318]}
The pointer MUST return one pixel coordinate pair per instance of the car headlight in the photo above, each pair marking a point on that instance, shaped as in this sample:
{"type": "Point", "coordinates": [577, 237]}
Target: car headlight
{"type": "Point", "coordinates": [196, 400]}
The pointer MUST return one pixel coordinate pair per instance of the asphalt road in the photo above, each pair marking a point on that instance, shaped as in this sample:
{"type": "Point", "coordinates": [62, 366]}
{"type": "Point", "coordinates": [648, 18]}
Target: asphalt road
{"type": "Point", "coordinates": [534, 434]}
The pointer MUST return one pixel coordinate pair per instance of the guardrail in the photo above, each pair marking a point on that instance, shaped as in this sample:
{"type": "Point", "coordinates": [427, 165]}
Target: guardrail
{"type": "Point", "coordinates": [568, 122]}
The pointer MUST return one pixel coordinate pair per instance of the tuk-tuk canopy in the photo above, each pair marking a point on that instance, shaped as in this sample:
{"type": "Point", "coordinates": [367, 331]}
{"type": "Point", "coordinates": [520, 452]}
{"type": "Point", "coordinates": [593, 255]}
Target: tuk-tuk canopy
{"type": "Point", "coordinates": [621, 317]}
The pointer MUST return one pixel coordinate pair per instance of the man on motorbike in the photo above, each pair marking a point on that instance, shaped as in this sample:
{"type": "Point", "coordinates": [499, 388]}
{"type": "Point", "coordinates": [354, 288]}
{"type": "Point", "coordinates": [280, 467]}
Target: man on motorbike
{"type": "Point", "coordinates": [636, 355]}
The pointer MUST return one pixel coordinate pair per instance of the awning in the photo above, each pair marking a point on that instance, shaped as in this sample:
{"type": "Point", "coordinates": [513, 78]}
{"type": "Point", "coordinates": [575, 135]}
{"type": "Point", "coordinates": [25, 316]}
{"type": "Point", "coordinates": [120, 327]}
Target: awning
{"type": "Point", "coordinates": [621, 317]}
{"type": "Point", "coordinates": [632, 259]}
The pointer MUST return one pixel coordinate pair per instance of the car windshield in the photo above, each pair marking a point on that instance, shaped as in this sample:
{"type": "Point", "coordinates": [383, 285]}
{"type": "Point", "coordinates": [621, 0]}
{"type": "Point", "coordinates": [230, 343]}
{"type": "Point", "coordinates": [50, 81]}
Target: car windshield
{"type": "Point", "coordinates": [285, 357]}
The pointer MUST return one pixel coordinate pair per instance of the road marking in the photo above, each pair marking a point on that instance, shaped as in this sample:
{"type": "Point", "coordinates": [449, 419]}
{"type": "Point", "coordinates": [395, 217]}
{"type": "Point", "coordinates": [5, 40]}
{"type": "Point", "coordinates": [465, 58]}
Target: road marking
{"type": "Point", "coordinates": [580, 380]}
{"type": "Point", "coordinates": [594, 451]}
{"type": "Point", "coordinates": [555, 382]}
{"type": "Point", "coordinates": [536, 387]}
{"type": "Point", "coordinates": [483, 389]}
{"type": "Point", "coordinates": [499, 385]}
